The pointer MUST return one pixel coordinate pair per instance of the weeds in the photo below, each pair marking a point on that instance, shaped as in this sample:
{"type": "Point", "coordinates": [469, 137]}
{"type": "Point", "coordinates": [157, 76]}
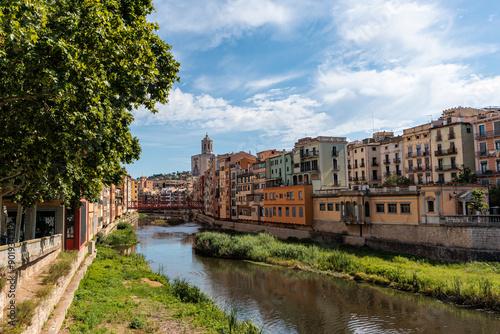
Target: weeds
{"type": "Point", "coordinates": [25, 311]}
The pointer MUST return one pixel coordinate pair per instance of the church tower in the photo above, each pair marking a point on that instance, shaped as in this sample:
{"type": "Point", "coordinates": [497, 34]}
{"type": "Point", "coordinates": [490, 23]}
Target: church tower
{"type": "Point", "coordinates": [206, 145]}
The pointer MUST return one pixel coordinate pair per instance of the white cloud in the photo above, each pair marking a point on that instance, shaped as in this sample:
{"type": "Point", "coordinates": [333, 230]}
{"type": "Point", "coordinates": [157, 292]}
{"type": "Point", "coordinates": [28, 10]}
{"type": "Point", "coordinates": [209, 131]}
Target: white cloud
{"type": "Point", "coordinates": [401, 61]}
{"type": "Point", "coordinates": [272, 114]}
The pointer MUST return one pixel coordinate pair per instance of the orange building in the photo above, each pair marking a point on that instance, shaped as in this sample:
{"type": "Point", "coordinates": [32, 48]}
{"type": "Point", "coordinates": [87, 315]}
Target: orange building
{"type": "Point", "coordinates": [290, 204]}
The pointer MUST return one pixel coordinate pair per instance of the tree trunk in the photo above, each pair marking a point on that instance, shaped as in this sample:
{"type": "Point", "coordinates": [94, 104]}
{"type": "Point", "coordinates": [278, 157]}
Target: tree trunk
{"type": "Point", "coordinates": [19, 218]}
{"type": "Point", "coordinates": [1, 216]}
{"type": "Point", "coordinates": [32, 231]}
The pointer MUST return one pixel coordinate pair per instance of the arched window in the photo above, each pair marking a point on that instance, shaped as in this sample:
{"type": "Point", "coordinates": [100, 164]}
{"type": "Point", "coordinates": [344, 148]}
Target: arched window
{"type": "Point", "coordinates": [348, 209]}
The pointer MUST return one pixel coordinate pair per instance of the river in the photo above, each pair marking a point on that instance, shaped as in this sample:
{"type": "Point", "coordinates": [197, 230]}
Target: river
{"type": "Point", "coordinates": [288, 301]}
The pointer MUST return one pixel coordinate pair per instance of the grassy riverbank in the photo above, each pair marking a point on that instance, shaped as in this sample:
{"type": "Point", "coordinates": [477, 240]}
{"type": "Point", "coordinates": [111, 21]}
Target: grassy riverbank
{"type": "Point", "coordinates": [476, 284]}
{"type": "Point", "coordinates": [122, 294]}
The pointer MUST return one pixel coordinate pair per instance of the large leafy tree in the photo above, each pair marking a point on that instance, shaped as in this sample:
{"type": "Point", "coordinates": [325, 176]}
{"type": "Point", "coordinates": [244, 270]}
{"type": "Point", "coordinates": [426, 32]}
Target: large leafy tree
{"type": "Point", "coordinates": [465, 176]}
{"type": "Point", "coordinates": [70, 73]}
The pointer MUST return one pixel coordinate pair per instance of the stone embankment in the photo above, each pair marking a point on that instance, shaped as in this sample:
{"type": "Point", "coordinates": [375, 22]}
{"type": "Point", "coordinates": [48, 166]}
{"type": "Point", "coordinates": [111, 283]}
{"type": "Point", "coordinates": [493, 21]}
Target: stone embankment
{"type": "Point", "coordinates": [455, 243]}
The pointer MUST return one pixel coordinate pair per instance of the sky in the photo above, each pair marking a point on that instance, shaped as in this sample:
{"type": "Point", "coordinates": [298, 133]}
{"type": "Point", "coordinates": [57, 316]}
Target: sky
{"type": "Point", "coordinates": [261, 74]}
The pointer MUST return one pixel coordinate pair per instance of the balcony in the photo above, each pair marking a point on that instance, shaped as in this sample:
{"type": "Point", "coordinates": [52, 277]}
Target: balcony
{"type": "Point", "coordinates": [409, 155]}
{"type": "Point", "coordinates": [309, 155]}
{"type": "Point", "coordinates": [354, 179]}
{"type": "Point", "coordinates": [387, 161]}
{"type": "Point", "coordinates": [396, 160]}
{"type": "Point", "coordinates": [362, 165]}
{"type": "Point", "coordinates": [349, 167]}
{"type": "Point", "coordinates": [439, 138]}
{"type": "Point", "coordinates": [451, 136]}
{"type": "Point", "coordinates": [451, 150]}
{"type": "Point", "coordinates": [374, 163]}
{"type": "Point", "coordinates": [387, 174]}
{"type": "Point", "coordinates": [375, 178]}
{"type": "Point", "coordinates": [488, 134]}
{"type": "Point", "coordinates": [444, 168]}
{"type": "Point", "coordinates": [335, 168]}
{"type": "Point", "coordinates": [487, 173]}
{"type": "Point", "coordinates": [410, 170]}
{"type": "Point", "coordinates": [335, 153]}
{"type": "Point", "coordinates": [482, 154]}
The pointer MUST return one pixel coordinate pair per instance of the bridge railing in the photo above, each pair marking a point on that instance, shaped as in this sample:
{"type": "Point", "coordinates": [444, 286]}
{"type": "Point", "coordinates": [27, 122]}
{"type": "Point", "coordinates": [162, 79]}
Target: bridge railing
{"type": "Point", "coordinates": [168, 205]}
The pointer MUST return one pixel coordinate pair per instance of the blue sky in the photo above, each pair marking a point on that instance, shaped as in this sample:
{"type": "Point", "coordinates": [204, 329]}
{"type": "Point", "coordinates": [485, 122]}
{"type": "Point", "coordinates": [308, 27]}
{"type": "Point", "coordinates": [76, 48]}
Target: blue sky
{"type": "Point", "coordinates": [261, 74]}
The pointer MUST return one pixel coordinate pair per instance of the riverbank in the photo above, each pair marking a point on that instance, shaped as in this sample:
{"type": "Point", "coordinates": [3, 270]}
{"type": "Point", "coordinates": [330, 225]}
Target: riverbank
{"type": "Point", "coordinates": [474, 284]}
{"type": "Point", "coordinates": [121, 293]}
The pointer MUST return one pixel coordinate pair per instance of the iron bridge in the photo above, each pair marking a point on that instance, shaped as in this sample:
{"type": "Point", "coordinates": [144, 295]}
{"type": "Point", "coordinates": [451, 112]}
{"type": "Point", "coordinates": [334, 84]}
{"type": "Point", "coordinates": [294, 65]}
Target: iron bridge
{"type": "Point", "coordinates": [164, 205]}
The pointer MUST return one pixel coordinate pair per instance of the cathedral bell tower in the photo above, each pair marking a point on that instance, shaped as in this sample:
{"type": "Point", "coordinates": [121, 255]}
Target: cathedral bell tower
{"type": "Point", "coordinates": [206, 145]}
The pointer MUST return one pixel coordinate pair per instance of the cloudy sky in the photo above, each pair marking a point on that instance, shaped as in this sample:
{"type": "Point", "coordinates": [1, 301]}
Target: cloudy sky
{"type": "Point", "coordinates": [261, 74]}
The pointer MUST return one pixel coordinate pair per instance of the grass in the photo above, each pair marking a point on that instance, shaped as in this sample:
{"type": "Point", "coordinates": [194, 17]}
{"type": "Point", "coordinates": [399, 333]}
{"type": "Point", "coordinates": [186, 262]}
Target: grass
{"type": "Point", "coordinates": [3, 278]}
{"type": "Point", "coordinates": [142, 215]}
{"type": "Point", "coordinates": [124, 235]}
{"type": "Point", "coordinates": [121, 293]}
{"type": "Point", "coordinates": [475, 284]}
{"type": "Point", "coordinates": [60, 268]}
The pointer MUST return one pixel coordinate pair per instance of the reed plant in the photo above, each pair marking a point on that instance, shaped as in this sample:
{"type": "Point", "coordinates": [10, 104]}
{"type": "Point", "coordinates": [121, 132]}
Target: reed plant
{"type": "Point", "coordinates": [475, 284]}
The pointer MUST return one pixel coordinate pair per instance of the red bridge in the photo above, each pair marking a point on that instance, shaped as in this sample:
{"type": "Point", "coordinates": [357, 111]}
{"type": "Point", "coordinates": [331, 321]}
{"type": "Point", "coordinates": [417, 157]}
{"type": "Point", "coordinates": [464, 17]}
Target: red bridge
{"type": "Point", "coordinates": [164, 205]}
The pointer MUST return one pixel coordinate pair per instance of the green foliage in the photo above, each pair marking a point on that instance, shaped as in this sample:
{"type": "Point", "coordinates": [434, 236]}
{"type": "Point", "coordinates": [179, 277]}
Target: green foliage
{"type": "Point", "coordinates": [44, 292]}
{"type": "Point", "coordinates": [61, 267]}
{"type": "Point", "coordinates": [25, 311]}
{"type": "Point", "coordinates": [478, 203]}
{"type": "Point", "coordinates": [123, 226]}
{"type": "Point", "coordinates": [71, 73]}
{"type": "Point", "coordinates": [475, 283]}
{"type": "Point", "coordinates": [188, 293]}
{"type": "Point", "coordinates": [465, 176]}
{"type": "Point", "coordinates": [394, 180]}
{"type": "Point", "coordinates": [138, 323]}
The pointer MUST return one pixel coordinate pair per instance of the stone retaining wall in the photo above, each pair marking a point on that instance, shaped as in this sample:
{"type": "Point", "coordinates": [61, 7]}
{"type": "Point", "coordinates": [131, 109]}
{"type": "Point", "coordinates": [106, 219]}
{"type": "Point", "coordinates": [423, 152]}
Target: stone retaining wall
{"type": "Point", "coordinates": [456, 243]}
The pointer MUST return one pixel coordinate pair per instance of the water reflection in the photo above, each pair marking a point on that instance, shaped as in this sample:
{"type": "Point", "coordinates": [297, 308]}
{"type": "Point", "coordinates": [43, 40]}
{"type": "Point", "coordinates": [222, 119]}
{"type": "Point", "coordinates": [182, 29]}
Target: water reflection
{"type": "Point", "coordinates": [287, 301]}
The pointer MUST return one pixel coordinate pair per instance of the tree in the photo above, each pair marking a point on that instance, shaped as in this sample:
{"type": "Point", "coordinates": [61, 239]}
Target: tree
{"type": "Point", "coordinates": [72, 70]}
{"type": "Point", "coordinates": [478, 203]}
{"type": "Point", "coordinates": [465, 176]}
{"type": "Point", "coordinates": [395, 179]}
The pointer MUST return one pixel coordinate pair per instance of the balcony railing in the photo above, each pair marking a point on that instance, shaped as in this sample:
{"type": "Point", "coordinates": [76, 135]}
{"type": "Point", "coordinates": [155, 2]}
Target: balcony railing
{"type": "Point", "coordinates": [451, 136]}
{"type": "Point", "coordinates": [409, 155]}
{"type": "Point", "coordinates": [443, 168]}
{"type": "Point", "coordinates": [362, 164]}
{"type": "Point", "coordinates": [487, 173]}
{"type": "Point", "coordinates": [374, 163]}
{"type": "Point", "coordinates": [482, 154]}
{"type": "Point", "coordinates": [387, 161]}
{"type": "Point", "coordinates": [309, 154]}
{"type": "Point", "coordinates": [449, 151]}
{"type": "Point", "coordinates": [410, 170]}
{"type": "Point", "coordinates": [335, 153]}
{"type": "Point", "coordinates": [488, 134]}
{"type": "Point", "coordinates": [349, 167]}
{"type": "Point", "coordinates": [396, 160]}
{"type": "Point", "coordinates": [439, 138]}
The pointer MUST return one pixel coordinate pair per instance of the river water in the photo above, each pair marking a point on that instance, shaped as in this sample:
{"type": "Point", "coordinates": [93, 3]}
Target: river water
{"type": "Point", "coordinates": [288, 301]}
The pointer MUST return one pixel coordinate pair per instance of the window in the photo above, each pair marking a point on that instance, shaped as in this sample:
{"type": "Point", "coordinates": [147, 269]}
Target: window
{"type": "Point", "coordinates": [293, 211]}
{"type": "Point", "coordinates": [300, 194]}
{"type": "Point", "coordinates": [392, 208]}
{"type": "Point", "coordinates": [274, 211]}
{"type": "Point", "coordinates": [482, 147]}
{"type": "Point", "coordinates": [287, 211]}
{"type": "Point", "coordinates": [380, 207]}
{"type": "Point", "coordinates": [405, 208]}
{"type": "Point", "coordinates": [281, 195]}
{"type": "Point", "coordinates": [337, 207]}
{"type": "Point", "coordinates": [367, 209]}
{"type": "Point", "coordinates": [481, 130]}
{"type": "Point", "coordinates": [301, 211]}
{"type": "Point", "coordinates": [330, 206]}
{"type": "Point", "coordinates": [267, 213]}
{"type": "Point", "coordinates": [374, 148]}
{"type": "Point", "coordinates": [430, 206]}
{"type": "Point", "coordinates": [291, 195]}
{"type": "Point", "coordinates": [279, 211]}
{"type": "Point", "coordinates": [322, 207]}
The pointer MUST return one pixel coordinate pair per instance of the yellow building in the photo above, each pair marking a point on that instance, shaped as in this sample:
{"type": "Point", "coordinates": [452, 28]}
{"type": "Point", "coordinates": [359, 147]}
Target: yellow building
{"type": "Point", "coordinates": [290, 204]}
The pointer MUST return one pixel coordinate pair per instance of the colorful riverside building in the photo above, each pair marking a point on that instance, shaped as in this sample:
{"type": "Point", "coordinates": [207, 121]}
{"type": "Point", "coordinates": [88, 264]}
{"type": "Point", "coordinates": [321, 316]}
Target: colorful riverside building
{"type": "Point", "coordinates": [77, 225]}
{"type": "Point", "coordinates": [486, 128]}
{"type": "Point", "coordinates": [289, 204]}
{"type": "Point", "coordinates": [364, 159]}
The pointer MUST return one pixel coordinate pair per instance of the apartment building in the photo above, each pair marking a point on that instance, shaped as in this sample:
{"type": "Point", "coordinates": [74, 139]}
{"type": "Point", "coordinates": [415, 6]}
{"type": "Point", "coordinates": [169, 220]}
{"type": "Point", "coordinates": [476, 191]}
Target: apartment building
{"type": "Point", "coordinates": [486, 128]}
{"type": "Point", "coordinates": [364, 160]}
{"type": "Point", "coordinates": [279, 169]}
{"type": "Point", "coordinates": [289, 204]}
{"type": "Point", "coordinates": [452, 146]}
{"type": "Point", "coordinates": [390, 157]}
{"type": "Point", "coordinates": [416, 142]}
{"type": "Point", "coordinates": [320, 162]}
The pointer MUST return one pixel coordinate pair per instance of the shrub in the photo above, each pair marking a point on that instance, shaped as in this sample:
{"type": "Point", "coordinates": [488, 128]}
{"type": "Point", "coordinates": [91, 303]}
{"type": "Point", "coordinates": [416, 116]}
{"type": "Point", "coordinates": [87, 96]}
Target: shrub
{"type": "Point", "coordinates": [187, 293]}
